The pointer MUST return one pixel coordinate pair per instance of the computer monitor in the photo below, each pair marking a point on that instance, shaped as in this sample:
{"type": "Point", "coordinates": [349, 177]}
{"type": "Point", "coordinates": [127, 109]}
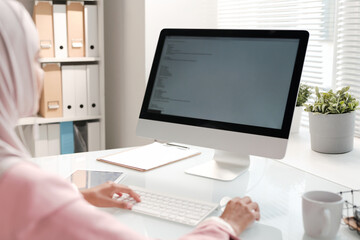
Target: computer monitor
{"type": "Point", "coordinates": [230, 90]}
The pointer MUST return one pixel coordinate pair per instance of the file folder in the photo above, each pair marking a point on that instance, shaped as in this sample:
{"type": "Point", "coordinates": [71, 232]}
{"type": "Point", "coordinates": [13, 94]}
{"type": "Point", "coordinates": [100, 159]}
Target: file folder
{"type": "Point", "coordinates": [91, 31]}
{"type": "Point", "coordinates": [60, 31]}
{"type": "Point", "coordinates": [93, 136]}
{"type": "Point", "coordinates": [66, 137]}
{"type": "Point", "coordinates": [80, 136]}
{"type": "Point", "coordinates": [38, 147]}
{"type": "Point", "coordinates": [75, 26]}
{"type": "Point", "coordinates": [53, 134]}
{"type": "Point", "coordinates": [81, 105]}
{"type": "Point", "coordinates": [43, 19]}
{"type": "Point", "coordinates": [51, 95]}
{"type": "Point", "coordinates": [93, 92]}
{"type": "Point", "coordinates": [74, 90]}
{"type": "Point", "coordinates": [68, 90]}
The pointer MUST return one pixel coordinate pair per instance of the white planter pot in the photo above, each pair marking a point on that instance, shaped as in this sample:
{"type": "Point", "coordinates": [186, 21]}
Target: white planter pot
{"type": "Point", "coordinates": [295, 124]}
{"type": "Point", "coordinates": [332, 133]}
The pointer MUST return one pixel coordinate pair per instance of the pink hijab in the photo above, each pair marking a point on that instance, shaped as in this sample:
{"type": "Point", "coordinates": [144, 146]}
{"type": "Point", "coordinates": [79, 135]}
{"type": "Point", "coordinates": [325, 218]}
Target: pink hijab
{"type": "Point", "coordinates": [18, 86]}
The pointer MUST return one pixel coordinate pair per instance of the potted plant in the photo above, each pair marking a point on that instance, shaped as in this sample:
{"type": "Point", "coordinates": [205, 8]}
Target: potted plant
{"type": "Point", "coordinates": [332, 121]}
{"type": "Point", "coordinates": [303, 96]}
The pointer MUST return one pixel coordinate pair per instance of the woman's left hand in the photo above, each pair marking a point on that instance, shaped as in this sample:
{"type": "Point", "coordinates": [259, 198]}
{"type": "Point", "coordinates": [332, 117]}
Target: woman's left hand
{"type": "Point", "coordinates": [102, 195]}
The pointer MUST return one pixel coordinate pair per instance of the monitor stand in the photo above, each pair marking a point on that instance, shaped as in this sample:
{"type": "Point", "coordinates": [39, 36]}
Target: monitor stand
{"type": "Point", "coordinates": [226, 166]}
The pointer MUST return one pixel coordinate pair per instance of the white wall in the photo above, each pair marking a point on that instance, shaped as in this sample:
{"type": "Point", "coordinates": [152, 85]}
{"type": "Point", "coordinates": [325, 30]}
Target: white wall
{"type": "Point", "coordinates": [124, 70]}
{"type": "Point", "coordinates": [161, 14]}
{"type": "Point", "coordinates": [131, 32]}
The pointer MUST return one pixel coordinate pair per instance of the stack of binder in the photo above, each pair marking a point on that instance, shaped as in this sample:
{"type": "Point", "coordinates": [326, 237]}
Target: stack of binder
{"type": "Point", "coordinates": [67, 30]}
{"type": "Point", "coordinates": [81, 96]}
{"type": "Point", "coordinates": [79, 137]}
{"type": "Point", "coordinates": [47, 141]}
{"type": "Point", "coordinates": [62, 138]}
{"type": "Point", "coordinates": [70, 91]}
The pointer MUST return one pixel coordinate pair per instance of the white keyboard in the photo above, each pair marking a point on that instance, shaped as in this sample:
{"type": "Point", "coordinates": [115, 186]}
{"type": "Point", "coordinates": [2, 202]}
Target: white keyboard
{"type": "Point", "coordinates": [176, 209]}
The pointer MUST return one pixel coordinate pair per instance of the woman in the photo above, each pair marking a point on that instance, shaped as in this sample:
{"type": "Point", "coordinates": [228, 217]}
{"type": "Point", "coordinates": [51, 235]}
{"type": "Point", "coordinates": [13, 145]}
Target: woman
{"type": "Point", "coordinates": [37, 205]}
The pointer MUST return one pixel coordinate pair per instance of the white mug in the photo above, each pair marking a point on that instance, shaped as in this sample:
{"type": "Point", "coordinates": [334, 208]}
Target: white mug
{"type": "Point", "coordinates": [322, 213]}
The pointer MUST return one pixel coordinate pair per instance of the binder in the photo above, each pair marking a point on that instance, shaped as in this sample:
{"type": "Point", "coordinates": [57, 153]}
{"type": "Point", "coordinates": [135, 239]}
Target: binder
{"type": "Point", "coordinates": [43, 19]}
{"type": "Point", "coordinates": [51, 95]}
{"type": "Point", "coordinates": [53, 136]}
{"type": "Point", "coordinates": [75, 26]}
{"type": "Point", "coordinates": [60, 31]}
{"type": "Point", "coordinates": [68, 91]}
{"type": "Point", "coordinates": [91, 31]}
{"type": "Point", "coordinates": [81, 105]}
{"type": "Point", "coordinates": [37, 147]}
{"type": "Point", "coordinates": [66, 137]}
{"type": "Point", "coordinates": [93, 136]}
{"type": "Point", "coordinates": [74, 90]}
{"type": "Point", "coordinates": [80, 136]}
{"type": "Point", "coordinates": [93, 92]}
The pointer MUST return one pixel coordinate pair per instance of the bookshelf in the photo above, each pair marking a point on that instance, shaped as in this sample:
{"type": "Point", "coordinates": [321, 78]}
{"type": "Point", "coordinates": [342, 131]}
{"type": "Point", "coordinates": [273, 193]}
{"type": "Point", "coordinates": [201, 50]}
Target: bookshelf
{"type": "Point", "coordinates": [71, 60]}
{"type": "Point", "coordinates": [42, 120]}
{"type": "Point", "coordinates": [99, 60]}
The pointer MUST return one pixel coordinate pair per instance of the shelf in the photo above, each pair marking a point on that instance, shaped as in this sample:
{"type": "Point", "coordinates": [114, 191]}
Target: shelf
{"type": "Point", "coordinates": [41, 120]}
{"type": "Point", "coordinates": [69, 0]}
{"type": "Point", "coordinates": [69, 60]}
{"type": "Point", "coordinates": [63, 61]}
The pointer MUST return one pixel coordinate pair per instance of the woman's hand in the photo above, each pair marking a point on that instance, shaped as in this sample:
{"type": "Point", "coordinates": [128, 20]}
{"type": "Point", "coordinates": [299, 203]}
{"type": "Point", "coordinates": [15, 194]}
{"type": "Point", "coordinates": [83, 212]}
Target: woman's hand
{"type": "Point", "coordinates": [102, 195]}
{"type": "Point", "coordinates": [240, 213]}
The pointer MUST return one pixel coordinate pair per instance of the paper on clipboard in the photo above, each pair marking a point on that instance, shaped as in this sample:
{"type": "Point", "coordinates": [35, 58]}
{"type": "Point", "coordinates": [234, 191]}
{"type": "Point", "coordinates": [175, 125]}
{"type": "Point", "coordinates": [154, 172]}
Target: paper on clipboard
{"type": "Point", "coordinates": [149, 156]}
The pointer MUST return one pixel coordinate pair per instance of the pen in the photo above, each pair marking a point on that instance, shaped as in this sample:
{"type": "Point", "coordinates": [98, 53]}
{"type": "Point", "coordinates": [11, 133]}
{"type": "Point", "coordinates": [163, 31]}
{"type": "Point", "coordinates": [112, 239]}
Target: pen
{"type": "Point", "coordinates": [175, 145]}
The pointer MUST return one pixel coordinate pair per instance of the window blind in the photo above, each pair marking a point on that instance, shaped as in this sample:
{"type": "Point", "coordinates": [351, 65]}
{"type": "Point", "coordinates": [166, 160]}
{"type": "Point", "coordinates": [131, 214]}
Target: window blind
{"type": "Point", "coordinates": [311, 15]}
{"type": "Point", "coordinates": [333, 55]}
{"type": "Point", "coordinates": [348, 50]}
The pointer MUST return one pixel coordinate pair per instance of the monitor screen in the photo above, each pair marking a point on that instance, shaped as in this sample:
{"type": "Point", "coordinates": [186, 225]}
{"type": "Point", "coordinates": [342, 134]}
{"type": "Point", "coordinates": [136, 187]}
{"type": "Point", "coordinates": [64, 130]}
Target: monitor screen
{"type": "Point", "coordinates": [213, 78]}
{"type": "Point", "coordinates": [226, 79]}
{"type": "Point", "coordinates": [231, 90]}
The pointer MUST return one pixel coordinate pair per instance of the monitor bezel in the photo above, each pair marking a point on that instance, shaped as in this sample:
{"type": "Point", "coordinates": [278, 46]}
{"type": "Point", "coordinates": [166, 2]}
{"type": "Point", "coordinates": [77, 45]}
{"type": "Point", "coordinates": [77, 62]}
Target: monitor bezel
{"type": "Point", "coordinates": [284, 132]}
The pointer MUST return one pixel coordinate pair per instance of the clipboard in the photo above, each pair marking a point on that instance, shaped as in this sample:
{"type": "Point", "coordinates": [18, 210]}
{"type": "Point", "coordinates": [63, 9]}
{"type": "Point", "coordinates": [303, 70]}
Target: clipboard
{"type": "Point", "coordinates": [150, 156]}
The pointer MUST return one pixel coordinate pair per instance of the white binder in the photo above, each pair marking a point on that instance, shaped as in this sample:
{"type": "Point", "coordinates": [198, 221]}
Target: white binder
{"type": "Point", "coordinates": [68, 90]}
{"type": "Point", "coordinates": [93, 130]}
{"type": "Point", "coordinates": [41, 144]}
{"type": "Point", "coordinates": [38, 147]}
{"type": "Point", "coordinates": [81, 105]}
{"type": "Point", "coordinates": [91, 31]}
{"type": "Point", "coordinates": [60, 31]}
{"type": "Point", "coordinates": [53, 134]}
{"type": "Point", "coordinates": [93, 91]}
{"type": "Point", "coordinates": [74, 90]}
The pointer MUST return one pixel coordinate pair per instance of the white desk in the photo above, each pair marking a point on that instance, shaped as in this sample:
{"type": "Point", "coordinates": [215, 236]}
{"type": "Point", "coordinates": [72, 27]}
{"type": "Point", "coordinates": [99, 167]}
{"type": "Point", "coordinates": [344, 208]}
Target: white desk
{"type": "Point", "coordinates": [275, 186]}
{"type": "Point", "coordinates": [339, 168]}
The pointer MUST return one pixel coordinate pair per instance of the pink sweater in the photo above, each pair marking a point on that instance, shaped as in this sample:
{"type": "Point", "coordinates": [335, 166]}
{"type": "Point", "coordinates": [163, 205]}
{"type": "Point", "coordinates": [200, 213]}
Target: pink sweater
{"type": "Point", "coordinates": [37, 205]}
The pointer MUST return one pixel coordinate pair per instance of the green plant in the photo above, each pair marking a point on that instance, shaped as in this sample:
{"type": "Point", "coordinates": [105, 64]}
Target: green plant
{"type": "Point", "coordinates": [303, 95]}
{"type": "Point", "coordinates": [333, 103]}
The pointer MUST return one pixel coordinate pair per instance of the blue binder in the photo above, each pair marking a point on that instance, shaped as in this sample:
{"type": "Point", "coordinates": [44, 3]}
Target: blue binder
{"type": "Point", "coordinates": [67, 137]}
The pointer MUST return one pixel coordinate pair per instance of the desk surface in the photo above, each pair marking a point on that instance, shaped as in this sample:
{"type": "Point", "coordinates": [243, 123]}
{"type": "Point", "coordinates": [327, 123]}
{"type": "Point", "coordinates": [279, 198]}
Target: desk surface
{"type": "Point", "coordinates": [339, 168]}
{"type": "Point", "coordinates": [276, 186]}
